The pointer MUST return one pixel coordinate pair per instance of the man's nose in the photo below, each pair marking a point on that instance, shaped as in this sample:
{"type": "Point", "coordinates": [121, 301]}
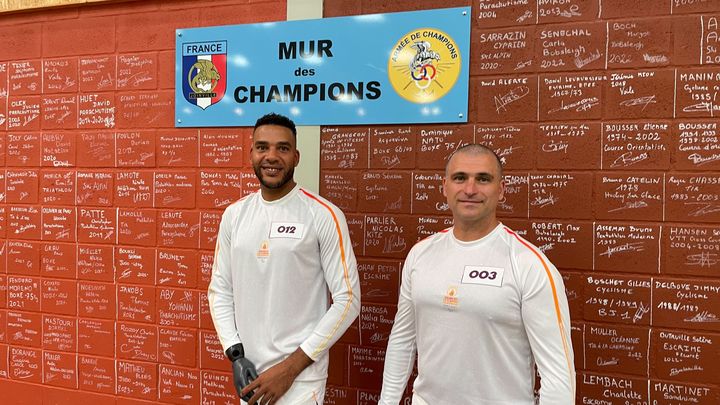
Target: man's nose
{"type": "Point", "coordinates": [470, 187]}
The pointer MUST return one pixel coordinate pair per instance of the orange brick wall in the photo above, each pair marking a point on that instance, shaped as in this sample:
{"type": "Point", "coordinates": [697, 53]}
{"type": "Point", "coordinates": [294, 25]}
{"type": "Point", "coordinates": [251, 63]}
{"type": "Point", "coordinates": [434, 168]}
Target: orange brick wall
{"type": "Point", "coordinates": [108, 214]}
{"type": "Point", "coordinates": [604, 113]}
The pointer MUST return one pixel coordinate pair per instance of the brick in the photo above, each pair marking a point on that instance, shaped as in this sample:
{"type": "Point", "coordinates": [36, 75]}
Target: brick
{"type": "Point", "coordinates": [340, 188]}
{"type": "Point", "coordinates": [554, 195]}
{"type": "Point", "coordinates": [135, 265]}
{"type": "Point", "coordinates": [137, 341]}
{"type": "Point", "coordinates": [629, 196]}
{"type": "Point", "coordinates": [136, 303]}
{"type": "Point", "coordinates": [97, 73]}
{"type": "Point", "coordinates": [205, 270]}
{"type": "Point", "coordinates": [23, 150]}
{"type": "Point", "coordinates": [58, 149]}
{"type": "Point", "coordinates": [571, 96]}
{"type": "Point", "coordinates": [179, 385]}
{"type": "Point", "coordinates": [640, 43]}
{"type": "Point", "coordinates": [513, 144]}
{"type": "Point", "coordinates": [392, 148]}
{"type": "Point", "coordinates": [379, 280]}
{"type": "Point", "coordinates": [58, 260]}
{"type": "Point", "coordinates": [24, 328]}
{"type": "Point", "coordinates": [59, 296]}
{"type": "Point", "coordinates": [639, 94]}
{"type": "Point", "coordinates": [137, 227]}
{"type": "Point", "coordinates": [177, 307]}
{"type": "Point", "coordinates": [60, 75]}
{"type": "Point", "coordinates": [96, 300]}
{"type": "Point", "coordinates": [25, 78]}
{"type": "Point", "coordinates": [571, 47]}
{"type": "Point", "coordinates": [177, 268]}
{"type": "Point", "coordinates": [96, 337]}
{"type": "Point", "coordinates": [627, 247]}
{"type": "Point", "coordinates": [683, 356]}
{"type": "Point", "coordinates": [689, 250]}
{"type": "Point", "coordinates": [344, 148]}
{"type": "Point", "coordinates": [376, 323]}
{"type": "Point", "coordinates": [96, 111]}
{"type": "Point", "coordinates": [596, 388]}
{"type": "Point", "coordinates": [387, 235]}
{"type": "Point", "coordinates": [491, 13]}
{"type": "Point", "coordinates": [499, 99]}
{"type": "Point", "coordinates": [243, 13]}
{"type": "Point", "coordinates": [380, 192]}
{"type": "Point", "coordinates": [58, 224]}
{"type": "Point", "coordinates": [96, 149]}
{"type": "Point", "coordinates": [697, 394]}
{"type": "Point", "coordinates": [137, 71]}
{"type": "Point", "coordinates": [222, 391]}
{"type": "Point", "coordinates": [603, 354]}
{"type": "Point", "coordinates": [567, 244]}
{"type": "Point", "coordinates": [209, 226]}
{"type": "Point", "coordinates": [688, 303]}
{"type": "Point", "coordinates": [346, 8]}
{"type": "Point", "coordinates": [178, 346]}
{"type": "Point", "coordinates": [23, 258]}
{"type": "Point", "coordinates": [218, 189]}
{"type": "Point", "coordinates": [565, 146]}
{"type": "Point", "coordinates": [179, 229]}
{"type": "Point", "coordinates": [691, 197]}
{"type": "Point", "coordinates": [166, 70]}
{"type": "Point", "coordinates": [508, 50]}
{"type": "Point", "coordinates": [639, 8]}
{"type": "Point", "coordinates": [696, 145]}
{"type": "Point", "coordinates": [67, 37]}
{"type": "Point", "coordinates": [223, 147]}
{"type": "Point", "coordinates": [60, 369]}
{"type": "Point", "coordinates": [59, 333]}
{"type": "Point", "coordinates": [177, 148]}
{"type": "Point", "coordinates": [23, 221]}
{"type": "Point", "coordinates": [636, 145]}
{"type": "Point", "coordinates": [59, 112]}
{"type": "Point", "coordinates": [25, 364]}
{"type": "Point", "coordinates": [139, 110]}
{"type": "Point", "coordinates": [134, 188]}
{"type": "Point", "coordinates": [97, 225]}
{"type": "Point", "coordinates": [135, 148]}
{"type": "Point", "coordinates": [435, 142]}
{"type": "Point", "coordinates": [365, 366]}
{"type": "Point", "coordinates": [23, 113]}
{"type": "Point", "coordinates": [211, 352]}
{"type": "Point", "coordinates": [152, 30]}
{"type": "Point", "coordinates": [21, 42]}
{"type": "Point", "coordinates": [426, 193]}
{"type": "Point", "coordinates": [95, 263]}
{"type": "Point", "coordinates": [556, 12]}
{"type": "Point", "coordinates": [618, 299]}
{"type": "Point", "coordinates": [137, 379]}
{"type": "Point", "coordinates": [175, 189]}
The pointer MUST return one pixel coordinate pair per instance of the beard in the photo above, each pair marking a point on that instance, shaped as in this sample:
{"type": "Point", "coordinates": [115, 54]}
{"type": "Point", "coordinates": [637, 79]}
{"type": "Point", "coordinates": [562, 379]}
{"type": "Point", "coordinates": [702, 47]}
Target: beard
{"type": "Point", "coordinates": [287, 176]}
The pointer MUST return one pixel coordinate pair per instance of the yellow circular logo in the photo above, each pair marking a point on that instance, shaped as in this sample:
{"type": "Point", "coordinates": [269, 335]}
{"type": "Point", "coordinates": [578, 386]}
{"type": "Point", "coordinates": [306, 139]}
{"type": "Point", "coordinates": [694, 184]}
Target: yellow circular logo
{"type": "Point", "coordinates": [424, 65]}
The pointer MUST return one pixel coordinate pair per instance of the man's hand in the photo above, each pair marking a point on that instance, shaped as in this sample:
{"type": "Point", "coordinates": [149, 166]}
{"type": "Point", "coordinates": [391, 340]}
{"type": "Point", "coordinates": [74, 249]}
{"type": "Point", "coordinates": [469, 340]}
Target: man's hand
{"type": "Point", "coordinates": [272, 384]}
{"type": "Point", "coordinates": [243, 369]}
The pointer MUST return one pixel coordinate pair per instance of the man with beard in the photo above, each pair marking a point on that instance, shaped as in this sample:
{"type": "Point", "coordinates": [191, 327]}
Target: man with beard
{"type": "Point", "coordinates": [278, 252]}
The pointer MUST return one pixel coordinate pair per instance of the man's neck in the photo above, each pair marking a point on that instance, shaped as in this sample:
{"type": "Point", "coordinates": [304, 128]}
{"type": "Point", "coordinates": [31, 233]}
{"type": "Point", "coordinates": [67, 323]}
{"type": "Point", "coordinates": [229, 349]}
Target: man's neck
{"type": "Point", "coordinates": [468, 232]}
{"type": "Point", "coordinates": [273, 194]}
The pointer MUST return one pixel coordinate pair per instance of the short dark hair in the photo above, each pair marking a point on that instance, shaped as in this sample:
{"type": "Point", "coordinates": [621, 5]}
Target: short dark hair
{"type": "Point", "coordinates": [276, 119]}
{"type": "Point", "coordinates": [476, 149]}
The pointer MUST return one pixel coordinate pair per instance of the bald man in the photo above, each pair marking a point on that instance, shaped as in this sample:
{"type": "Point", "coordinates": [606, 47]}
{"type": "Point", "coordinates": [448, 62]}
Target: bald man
{"type": "Point", "coordinates": [480, 305]}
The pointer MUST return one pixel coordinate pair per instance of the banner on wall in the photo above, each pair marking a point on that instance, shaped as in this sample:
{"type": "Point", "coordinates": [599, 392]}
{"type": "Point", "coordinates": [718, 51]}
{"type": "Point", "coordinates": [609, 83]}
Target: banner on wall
{"type": "Point", "coordinates": [407, 67]}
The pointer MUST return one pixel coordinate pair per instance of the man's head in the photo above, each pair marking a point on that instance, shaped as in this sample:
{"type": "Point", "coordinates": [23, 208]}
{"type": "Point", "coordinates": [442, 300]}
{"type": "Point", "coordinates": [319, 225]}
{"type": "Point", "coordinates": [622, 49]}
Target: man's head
{"type": "Point", "coordinates": [274, 154]}
{"type": "Point", "coordinates": [473, 186]}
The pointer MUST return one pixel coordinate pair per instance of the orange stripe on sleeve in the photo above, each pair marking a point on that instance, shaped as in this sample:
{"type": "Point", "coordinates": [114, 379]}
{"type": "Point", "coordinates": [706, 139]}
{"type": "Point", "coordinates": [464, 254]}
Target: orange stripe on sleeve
{"type": "Point", "coordinates": [346, 274]}
{"type": "Point", "coordinates": [558, 313]}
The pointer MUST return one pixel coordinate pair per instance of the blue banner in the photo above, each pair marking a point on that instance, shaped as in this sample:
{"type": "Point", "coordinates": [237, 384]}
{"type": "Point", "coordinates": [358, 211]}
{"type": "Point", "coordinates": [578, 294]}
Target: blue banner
{"type": "Point", "coordinates": [370, 69]}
